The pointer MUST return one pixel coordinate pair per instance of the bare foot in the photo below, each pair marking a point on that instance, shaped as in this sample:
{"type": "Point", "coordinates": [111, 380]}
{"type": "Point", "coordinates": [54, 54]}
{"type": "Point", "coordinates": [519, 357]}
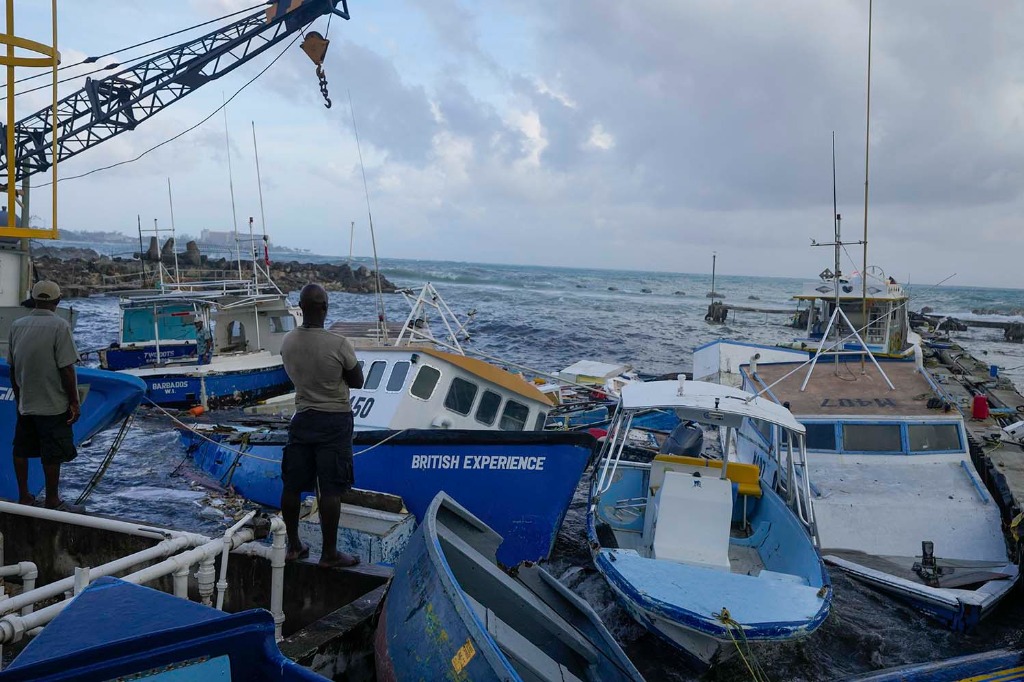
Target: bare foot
{"type": "Point", "coordinates": [338, 560]}
{"type": "Point", "coordinates": [296, 554]}
{"type": "Point", "coordinates": [27, 500]}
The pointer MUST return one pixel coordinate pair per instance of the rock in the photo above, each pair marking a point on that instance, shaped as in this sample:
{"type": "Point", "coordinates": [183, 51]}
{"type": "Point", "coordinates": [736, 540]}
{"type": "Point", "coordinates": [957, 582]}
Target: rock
{"type": "Point", "coordinates": [753, 298]}
{"type": "Point", "coordinates": [713, 294]}
{"type": "Point", "coordinates": [168, 249]}
{"type": "Point", "coordinates": [645, 291]}
{"type": "Point", "coordinates": [153, 253]}
{"type": "Point", "coordinates": [680, 293]}
{"type": "Point", "coordinates": [192, 257]}
{"type": "Point", "coordinates": [613, 288]}
{"type": "Point", "coordinates": [925, 310]}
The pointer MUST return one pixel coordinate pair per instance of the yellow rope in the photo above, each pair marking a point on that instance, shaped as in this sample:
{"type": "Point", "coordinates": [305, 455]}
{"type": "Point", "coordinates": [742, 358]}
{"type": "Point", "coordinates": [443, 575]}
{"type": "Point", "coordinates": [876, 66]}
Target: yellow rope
{"type": "Point", "coordinates": [727, 620]}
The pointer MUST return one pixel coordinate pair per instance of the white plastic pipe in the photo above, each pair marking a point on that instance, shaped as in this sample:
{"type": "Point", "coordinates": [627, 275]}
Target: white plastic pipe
{"type": "Point", "coordinates": [54, 589]}
{"type": "Point", "coordinates": [222, 584]}
{"type": "Point", "coordinates": [13, 628]}
{"type": "Point", "coordinates": [278, 550]}
{"type": "Point", "coordinates": [97, 522]}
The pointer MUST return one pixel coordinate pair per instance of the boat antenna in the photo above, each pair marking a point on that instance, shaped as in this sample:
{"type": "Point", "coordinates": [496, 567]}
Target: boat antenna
{"type": "Point", "coordinates": [867, 151]}
{"type": "Point", "coordinates": [837, 220]}
{"type": "Point", "coordinates": [263, 215]}
{"type": "Point", "coordinates": [714, 257]}
{"type": "Point", "coordinates": [174, 238]}
{"type": "Point", "coordinates": [231, 187]}
{"type": "Point", "coordinates": [351, 241]}
{"type": "Point", "coordinates": [382, 320]}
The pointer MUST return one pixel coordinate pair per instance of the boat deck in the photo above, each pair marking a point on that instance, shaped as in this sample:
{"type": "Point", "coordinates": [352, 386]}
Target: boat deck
{"type": "Point", "coordinates": [850, 393]}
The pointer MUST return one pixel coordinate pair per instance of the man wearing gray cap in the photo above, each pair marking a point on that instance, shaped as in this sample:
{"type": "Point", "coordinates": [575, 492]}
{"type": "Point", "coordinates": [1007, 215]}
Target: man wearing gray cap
{"type": "Point", "coordinates": [42, 356]}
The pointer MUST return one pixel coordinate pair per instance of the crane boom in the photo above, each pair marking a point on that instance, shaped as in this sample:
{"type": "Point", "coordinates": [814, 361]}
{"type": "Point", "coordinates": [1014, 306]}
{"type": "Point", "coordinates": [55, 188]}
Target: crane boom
{"type": "Point", "coordinates": [107, 107]}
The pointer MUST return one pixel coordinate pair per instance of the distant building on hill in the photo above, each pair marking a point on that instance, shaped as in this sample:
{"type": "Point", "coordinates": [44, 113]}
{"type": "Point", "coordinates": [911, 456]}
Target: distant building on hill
{"type": "Point", "coordinates": [217, 238]}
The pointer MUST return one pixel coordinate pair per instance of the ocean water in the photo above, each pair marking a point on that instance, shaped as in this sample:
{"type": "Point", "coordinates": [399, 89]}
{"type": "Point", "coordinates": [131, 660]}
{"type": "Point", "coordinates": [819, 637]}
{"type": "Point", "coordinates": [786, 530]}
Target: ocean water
{"type": "Point", "coordinates": [547, 318]}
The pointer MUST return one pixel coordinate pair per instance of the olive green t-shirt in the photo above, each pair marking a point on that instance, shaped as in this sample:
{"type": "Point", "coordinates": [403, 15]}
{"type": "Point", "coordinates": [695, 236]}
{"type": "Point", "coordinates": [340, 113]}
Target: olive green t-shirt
{"type": "Point", "coordinates": [314, 359]}
{"type": "Point", "coordinates": [40, 344]}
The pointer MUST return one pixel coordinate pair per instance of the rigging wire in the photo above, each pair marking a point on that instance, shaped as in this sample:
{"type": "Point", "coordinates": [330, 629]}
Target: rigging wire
{"type": "Point", "coordinates": [93, 60]}
{"type": "Point", "coordinates": [183, 132]}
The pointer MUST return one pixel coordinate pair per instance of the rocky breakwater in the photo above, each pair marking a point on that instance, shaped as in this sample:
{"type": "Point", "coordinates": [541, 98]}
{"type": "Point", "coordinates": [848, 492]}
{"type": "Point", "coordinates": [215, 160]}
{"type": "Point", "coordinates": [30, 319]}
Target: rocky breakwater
{"type": "Point", "coordinates": [81, 272]}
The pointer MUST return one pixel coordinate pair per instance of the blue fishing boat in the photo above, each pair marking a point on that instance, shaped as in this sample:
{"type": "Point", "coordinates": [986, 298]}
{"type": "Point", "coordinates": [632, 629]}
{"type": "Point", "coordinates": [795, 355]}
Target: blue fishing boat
{"type": "Point", "coordinates": [518, 483]}
{"type": "Point", "coordinates": [1001, 665]}
{"type": "Point", "coordinates": [452, 613]}
{"type": "Point", "coordinates": [696, 549]}
{"type": "Point", "coordinates": [106, 398]}
{"type": "Point", "coordinates": [245, 322]}
{"type": "Point", "coordinates": [117, 630]}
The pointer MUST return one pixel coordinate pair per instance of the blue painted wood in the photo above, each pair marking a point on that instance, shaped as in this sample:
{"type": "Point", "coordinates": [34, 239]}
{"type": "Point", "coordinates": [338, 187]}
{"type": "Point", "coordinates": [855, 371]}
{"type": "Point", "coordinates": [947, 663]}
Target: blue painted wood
{"type": "Point", "coordinates": [520, 484]}
{"type": "Point", "coordinates": [1000, 665]}
{"type": "Point", "coordinates": [430, 630]}
{"type": "Point", "coordinates": [116, 630]}
{"type": "Point", "coordinates": [111, 397]}
{"type": "Point", "coordinates": [139, 356]}
{"type": "Point", "coordinates": [222, 388]}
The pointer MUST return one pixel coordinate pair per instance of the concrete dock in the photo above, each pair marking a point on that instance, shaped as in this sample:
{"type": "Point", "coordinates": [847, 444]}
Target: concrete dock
{"type": "Point", "coordinates": [998, 458]}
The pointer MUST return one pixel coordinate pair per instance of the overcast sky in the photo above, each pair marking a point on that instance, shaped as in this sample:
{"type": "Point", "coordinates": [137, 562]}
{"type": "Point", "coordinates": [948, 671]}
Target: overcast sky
{"type": "Point", "coordinates": [636, 135]}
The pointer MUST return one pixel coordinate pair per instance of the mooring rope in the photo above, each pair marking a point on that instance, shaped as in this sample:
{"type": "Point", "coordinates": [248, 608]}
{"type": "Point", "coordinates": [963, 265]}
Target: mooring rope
{"type": "Point", "coordinates": [243, 453]}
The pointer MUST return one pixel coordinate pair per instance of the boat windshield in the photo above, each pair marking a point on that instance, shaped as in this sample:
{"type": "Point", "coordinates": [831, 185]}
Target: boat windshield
{"type": "Point", "coordinates": [166, 323]}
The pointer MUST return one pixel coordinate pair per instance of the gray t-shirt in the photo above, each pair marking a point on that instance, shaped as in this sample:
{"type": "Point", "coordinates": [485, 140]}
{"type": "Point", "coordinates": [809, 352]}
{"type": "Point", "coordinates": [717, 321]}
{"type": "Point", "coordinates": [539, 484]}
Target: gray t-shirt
{"type": "Point", "coordinates": [314, 359]}
{"type": "Point", "coordinates": [39, 345]}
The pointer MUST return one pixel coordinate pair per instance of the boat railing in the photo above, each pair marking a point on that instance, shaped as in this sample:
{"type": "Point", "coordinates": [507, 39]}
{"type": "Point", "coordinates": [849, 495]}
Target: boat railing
{"type": "Point", "coordinates": [795, 486]}
{"type": "Point", "coordinates": [616, 444]}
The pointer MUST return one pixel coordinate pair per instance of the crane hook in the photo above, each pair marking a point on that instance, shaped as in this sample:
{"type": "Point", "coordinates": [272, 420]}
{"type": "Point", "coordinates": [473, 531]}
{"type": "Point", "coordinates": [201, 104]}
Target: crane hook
{"type": "Point", "coordinates": [315, 47]}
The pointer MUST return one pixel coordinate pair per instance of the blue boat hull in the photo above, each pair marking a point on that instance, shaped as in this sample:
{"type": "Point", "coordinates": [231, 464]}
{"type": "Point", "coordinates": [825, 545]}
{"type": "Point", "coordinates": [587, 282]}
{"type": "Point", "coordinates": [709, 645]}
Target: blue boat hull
{"type": "Point", "coordinates": [430, 628]}
{"type": "Point", "coordinates": [110, 398]}
{"type": "Point", "coordinates": [222, 389]}
{"type": "Point", "coordinates": [1001, 665]}
{"type": "Point", "coordinates": [117, 630]}
{"type": "Point", "coordinates": [520, 484]}
{"type": "Point", "coordinates": [139, 356]}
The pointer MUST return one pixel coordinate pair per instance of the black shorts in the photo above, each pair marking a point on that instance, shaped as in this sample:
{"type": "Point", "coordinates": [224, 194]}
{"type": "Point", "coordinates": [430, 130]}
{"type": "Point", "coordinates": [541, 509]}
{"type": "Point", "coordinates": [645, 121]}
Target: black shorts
{"type": "Point", "coordinates": [48, 437]}
{"type": "Point", "coordinates": [319, 449]}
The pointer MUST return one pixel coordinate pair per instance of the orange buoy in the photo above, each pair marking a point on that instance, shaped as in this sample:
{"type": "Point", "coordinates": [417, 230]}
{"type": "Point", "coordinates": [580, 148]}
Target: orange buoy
{"type": "Point", "coordinates": [197, 410]}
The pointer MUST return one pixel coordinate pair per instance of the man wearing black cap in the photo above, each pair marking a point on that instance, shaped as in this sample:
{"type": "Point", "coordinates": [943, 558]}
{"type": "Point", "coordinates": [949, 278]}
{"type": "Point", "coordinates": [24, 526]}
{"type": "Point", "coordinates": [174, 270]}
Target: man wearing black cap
{"type": "Point", "coordinates": [42, 355]}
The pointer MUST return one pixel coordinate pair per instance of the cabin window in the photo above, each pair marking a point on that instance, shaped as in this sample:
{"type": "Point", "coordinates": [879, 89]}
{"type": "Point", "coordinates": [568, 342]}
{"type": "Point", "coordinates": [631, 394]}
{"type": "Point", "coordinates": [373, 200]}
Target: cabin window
{"type": "Point", "coordinates": [929, 437]}
{"type": "Point", "coordinates": [513, 418]}
{"type": "Point", "coordinates": [376, 374]}
{"type": "Point", "coordinates": [542, 418]}
{"type": "Point", "coordinates": [424, 383]}
{"type": "Point", "coordinates": [399, 371]}
{"type": "Point", "coordinates": [820, 436]}
{"type": "Point", "coordinates": [764, 428]}
{"type": "Point", "coordinates": [460, 396]}
{"type": "Point", "coordinates": [487, 410]}
{"type": "Point", "coordinates": [872, 438]}
{"type": "Point", "coordinates": [282, 324]}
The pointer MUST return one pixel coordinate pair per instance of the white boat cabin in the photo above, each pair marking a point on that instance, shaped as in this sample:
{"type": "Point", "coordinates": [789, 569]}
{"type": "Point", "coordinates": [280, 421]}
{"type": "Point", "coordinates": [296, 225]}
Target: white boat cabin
{"type": "Point", "coordinates": [412, 387]}
{"type": "Point", "coordinates": [885, 329]}
{"type": "Point", "coordinates": [238, 323]}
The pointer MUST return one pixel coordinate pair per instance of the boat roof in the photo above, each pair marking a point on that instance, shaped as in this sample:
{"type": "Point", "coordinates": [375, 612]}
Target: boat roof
{"type": "Point", "coordinates": [706, 403]}
{"type": "Point", "coordinates": [489, 372]}
{"type": "Point", "coordinates": [852, 291]}
{"type": "Point", "coordinates": [594, 368]}
{"type": "Point", "coordinates": [851, 393]}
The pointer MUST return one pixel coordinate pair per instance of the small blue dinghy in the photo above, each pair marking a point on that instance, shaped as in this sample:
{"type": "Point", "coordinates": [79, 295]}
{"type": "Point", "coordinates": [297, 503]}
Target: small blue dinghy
{"type": "Point", "coordinates": [115, 630]}
{"type": "Point", "coordinates": [452, 613]}
{"type": "Point", "coordinates": [702, 554]}
{"type": "Point", "coordinates": [107, 398]}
